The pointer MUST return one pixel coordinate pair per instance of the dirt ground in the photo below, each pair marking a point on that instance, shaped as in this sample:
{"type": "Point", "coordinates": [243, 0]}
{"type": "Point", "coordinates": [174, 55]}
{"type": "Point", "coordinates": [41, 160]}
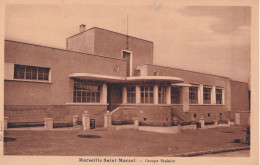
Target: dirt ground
{"type": "Point", "coordinates": [130, 142]}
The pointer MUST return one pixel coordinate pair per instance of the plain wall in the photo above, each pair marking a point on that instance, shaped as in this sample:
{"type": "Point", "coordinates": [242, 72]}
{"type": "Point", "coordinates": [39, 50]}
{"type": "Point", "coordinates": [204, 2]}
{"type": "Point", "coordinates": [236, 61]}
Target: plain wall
{"type": "Point", "coordinates": [62, 63]}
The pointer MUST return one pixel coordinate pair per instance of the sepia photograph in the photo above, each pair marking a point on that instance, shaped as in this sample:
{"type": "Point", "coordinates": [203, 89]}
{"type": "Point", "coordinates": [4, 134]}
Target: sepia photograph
{"type": "Point", "coordinates": [129, 82]}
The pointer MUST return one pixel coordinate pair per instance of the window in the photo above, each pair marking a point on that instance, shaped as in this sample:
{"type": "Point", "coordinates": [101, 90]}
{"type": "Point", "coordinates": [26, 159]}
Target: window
{"type": "Point", "coordinates": [194, 115]}
{"type": "Point", "coordinates": [127, 57]}
{"type": "Point", "coordinates": [193, 95]}
{"type": "Point", "coordinates": [162, 95]}
{"type": "Point", "coordinates": [175, 95]}
{"type": "Point", "coordinates": [208, 114]}
{"type": "Point", "coordinates": [84, 92]}
{"type": "Point", "coordinates": [147, 94]}
{"type": "Point", "coordinates": [31, 72]}
{"type": "Point", "coordinates": [206, 95]}
{"type": "Point", "coordinates": [219, 96]}
{"type": "Point", "coordinates": [131, 94]}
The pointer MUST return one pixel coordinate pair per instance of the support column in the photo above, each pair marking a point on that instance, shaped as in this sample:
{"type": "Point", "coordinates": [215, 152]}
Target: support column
{"type": "Point", "coordinates": [124, 95]}
{"type": "Point", "coordinates": [155, 94]}
{"type": "Point", "coordinates": [48, 123]}
{"type": "Point", "coordinates": [168, 95]}
{"type": "Point", "coordinates": [104, 93]}
{"type": "Point", "coordinates": [137, 94]}
{"type": "Point", "coordinates": [202, 123]}
{"type": "Point", "coordinates": [107, 120]}
{"type": "Point", "coordinates": [213, 95]}
{"type": "Point", "coordinates": [75, 120]}
{"type": "Point", "coordinates": [185, 99]}
{"type": "Point", "coordinates": [200, 94]}
{"type": "Point", "coordinates": [86, 121]}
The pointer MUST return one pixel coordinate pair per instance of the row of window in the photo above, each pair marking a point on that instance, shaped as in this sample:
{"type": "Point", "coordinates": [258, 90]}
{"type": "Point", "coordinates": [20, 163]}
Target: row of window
{"type": "Point", "coordinates": [31, 72]}
{"type": "Point", "coordinates": [193, 95]}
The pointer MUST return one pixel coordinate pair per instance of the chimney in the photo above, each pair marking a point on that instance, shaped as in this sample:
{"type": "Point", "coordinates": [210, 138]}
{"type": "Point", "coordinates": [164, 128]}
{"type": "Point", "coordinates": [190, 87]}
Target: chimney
{"type": "Point", "coordinates": [82, 28]}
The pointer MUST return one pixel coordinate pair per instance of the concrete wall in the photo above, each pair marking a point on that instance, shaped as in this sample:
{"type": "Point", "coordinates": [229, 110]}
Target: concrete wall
{"type": "Point", "coordinates": [111, 44]}
{"type": "Point", "coordinates": [83, 42]}
{"type": "Point", "coordinates": [193, 77]}
{"type": "Point", "coordinates": [60, 90]}
{"type": "Point", "coordinates": [60, 113]}
{"type": "Point", "coordinates": [152, 113]}
{"type": "Point", "coordinates": [239, 96]}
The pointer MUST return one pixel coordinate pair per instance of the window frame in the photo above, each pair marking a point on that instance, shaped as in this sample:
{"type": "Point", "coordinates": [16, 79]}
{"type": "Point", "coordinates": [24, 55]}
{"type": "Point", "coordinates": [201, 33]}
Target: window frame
{"type": "Point", "coordinates": [222, 96]}
{"type": "Point", "coordinates": [150, 94]}
{"type": "Point", "coordinates": [207, 95]}
{"type": "Point", "coordinates": [86, 95]}
{"type": "Point", "coordinates": [195, 93]}
{"type": "Point", "coordinates": [31, 73]}
{"type": "Point", "coordinates": [162, 92]}
{"type": "Point", "coordinates": [131, 94]}
{"type": "Point", "coordinates": [176, 99]}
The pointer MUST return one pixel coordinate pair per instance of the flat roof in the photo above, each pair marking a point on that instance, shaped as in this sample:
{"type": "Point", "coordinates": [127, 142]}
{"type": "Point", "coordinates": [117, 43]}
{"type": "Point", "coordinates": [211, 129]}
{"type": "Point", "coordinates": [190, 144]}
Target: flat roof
{"type": "Point", "coordinates": [65, 50]}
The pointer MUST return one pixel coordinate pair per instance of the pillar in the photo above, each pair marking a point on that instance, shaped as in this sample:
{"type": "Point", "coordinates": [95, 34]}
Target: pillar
{"type": "Point", "coordinates": [215, 122]}
{"type": "Point", "coordinates": [168, 95]}
{"type": "Point", "coordinates": [202, 123]}
{"type": "Point", "coordinates": [5, 122]}
{"type": "Point", "coordinates": [48, 123]}
{"type": "Point", "coordinates": [213, 95]}
{"type": "Point", "coordinates": [200, 94]}
{"type": "Point", "coordinates": [185, 99]}
{"type": "Point", "coordinates": [107, 120]}
{"type": "Point", "coordinates": [86, 121]}
{"type": "Point", "coordinates": [155, 94]}
{"type": "Point", "coordinates": [124, 95]}
{"type": "Point", "coordinates": [104, 93]}
{"type": "Point", "coordinates": [75, 120]}
{"type": "Point", "coordinates": [136, 123]}
{"type": "Point", "coordinates": [137, 94]}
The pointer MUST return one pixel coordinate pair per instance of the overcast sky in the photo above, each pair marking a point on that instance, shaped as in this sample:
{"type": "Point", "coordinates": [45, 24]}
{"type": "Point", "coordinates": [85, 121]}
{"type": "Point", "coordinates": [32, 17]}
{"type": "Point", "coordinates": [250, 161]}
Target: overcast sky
{"type": "Point", "coordinates": [213, 40]}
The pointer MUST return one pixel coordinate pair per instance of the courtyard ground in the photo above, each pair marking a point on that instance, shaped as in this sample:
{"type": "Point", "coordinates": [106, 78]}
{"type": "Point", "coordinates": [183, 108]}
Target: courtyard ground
{"type": "Point", "coordinates": [101, 142]}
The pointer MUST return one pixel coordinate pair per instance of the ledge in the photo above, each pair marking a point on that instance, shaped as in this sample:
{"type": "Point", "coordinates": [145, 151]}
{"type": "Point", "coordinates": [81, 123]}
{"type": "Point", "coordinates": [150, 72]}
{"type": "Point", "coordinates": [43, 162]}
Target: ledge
{"type": "Point", "coordinates": [31, 81]}
{"type": "Point", "coordinates": [207, 104]}
{"type": "Point", "coordinates": [97, 104]}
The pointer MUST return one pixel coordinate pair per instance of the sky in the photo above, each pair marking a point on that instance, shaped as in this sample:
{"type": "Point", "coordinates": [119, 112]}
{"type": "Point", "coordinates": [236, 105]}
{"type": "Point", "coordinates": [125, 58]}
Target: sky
{"type": "Point", "coordinates": [208, 39]}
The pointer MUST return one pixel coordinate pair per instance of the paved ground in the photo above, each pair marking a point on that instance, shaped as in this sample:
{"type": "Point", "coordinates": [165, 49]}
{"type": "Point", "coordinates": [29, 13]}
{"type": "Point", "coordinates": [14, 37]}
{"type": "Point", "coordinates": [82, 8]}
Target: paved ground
{"type": "Point", "coordinates": [119, 143]}
{"type": "Point", "coordinates": [242, 153]}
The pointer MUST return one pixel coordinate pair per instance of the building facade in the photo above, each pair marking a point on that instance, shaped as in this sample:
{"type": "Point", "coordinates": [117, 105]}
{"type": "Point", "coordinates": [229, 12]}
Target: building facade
{"type": "Point", "coordinates": [104, 71]}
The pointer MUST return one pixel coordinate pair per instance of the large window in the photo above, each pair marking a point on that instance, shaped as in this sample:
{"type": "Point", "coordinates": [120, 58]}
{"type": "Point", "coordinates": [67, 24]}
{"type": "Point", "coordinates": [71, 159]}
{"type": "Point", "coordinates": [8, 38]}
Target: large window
{"type": "Point", "coordinates": [31, 72]}
{"type": "Point", "coordinates": [206, 95]}
{"type": "Point", "coordinates": [219, 96]}
{"type": "Point", "coordinates": [193, 95]}
{"type": "Point", "coordinates": [175, 95]}
{"type": "Point", "coordinates": [85, 92]}
{"type": "Point", "coordinates": [162, 95]}
{"type": "Point", "coordinates": [146, 94]}
{"type": "Point", "coordinates": [131, 94]}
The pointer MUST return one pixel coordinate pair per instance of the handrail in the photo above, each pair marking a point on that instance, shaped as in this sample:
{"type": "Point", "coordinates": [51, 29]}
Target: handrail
{"type": "Point", "coordinates": [178, 110]}
{"type": "Point", "coordinates": [100, 112]}
{"type": "Point", "coordinates": [121, 108]}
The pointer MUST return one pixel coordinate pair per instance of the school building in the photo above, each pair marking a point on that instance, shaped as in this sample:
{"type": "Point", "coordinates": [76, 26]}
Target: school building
{"type": "Point", "coordinates": [102, 70]}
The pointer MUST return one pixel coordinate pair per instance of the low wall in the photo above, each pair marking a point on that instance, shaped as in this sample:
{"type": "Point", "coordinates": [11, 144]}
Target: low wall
{"type": "Point", "coordinates": [175, 129]}
{"type": "Point", "coordinates": [148, 113]}
{"type": "Point", "coordinates": [60, 113]}
{"type": "Point", "coordinates": [189, 127]}
{"type": "Point", "coordinates": [120, 127]}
